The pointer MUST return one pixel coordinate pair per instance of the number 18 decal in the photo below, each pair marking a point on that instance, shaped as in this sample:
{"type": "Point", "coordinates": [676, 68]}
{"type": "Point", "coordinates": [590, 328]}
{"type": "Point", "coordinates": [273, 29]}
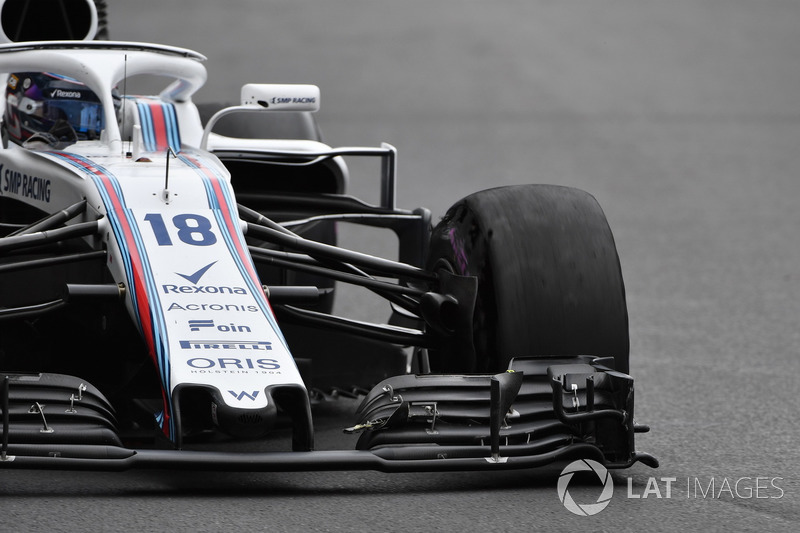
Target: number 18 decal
{"type": "Point", "coordinates": [192, 229]}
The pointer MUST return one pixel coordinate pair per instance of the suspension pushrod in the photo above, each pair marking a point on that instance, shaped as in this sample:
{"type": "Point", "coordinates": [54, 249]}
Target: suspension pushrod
{"type": "Point", "coordinates": [387, 333]}
{"type": "Point", "coordinates": [318, 249]}
{"type": "Point", "coordinates": [273, 258]}
{"type": "Point", "coordinates": [54, 220]}
{"type": "Point", "coordinates": [251, 215]}
{"type": "Point", "coordinates": [47, 261]}
{"type": "Point", "coordinates": [31, 310]}
{"type": "Point", "coordinates": [44, 237]}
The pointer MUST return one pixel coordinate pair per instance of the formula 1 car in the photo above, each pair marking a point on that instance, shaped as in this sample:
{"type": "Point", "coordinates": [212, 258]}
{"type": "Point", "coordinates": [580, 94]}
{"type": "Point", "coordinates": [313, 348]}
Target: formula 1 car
{"type": "Point", "coordinates": [167, 274]}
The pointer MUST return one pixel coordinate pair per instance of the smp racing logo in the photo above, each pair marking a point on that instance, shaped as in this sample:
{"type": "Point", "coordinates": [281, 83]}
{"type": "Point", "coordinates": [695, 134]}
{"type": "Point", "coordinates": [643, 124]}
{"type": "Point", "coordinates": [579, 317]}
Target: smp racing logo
{"type": "Point", "coordinates": [27, 186]}
{"type": "Point", "coordinates": [292, 100]}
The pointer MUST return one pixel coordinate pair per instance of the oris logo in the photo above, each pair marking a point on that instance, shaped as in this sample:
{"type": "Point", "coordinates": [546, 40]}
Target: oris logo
{"type": "Point", "coordinates": [227, 363]}
{"type": "Point", "coordinates": [59, 93]}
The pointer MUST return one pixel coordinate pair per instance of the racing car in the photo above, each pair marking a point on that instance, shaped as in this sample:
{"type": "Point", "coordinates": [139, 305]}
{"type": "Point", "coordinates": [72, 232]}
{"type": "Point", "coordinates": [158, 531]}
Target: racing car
{"type": "Point", "coordinates": [168, 272]}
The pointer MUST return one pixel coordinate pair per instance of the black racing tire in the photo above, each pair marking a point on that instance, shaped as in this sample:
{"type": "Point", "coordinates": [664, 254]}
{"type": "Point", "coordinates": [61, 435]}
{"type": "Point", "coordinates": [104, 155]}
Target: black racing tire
{"type": "Point", "coordinates": [549, 277]}
{"type": "Point", "coordinates": [26, 20]}
{"type": "Point", "coordinates": [102, 20]}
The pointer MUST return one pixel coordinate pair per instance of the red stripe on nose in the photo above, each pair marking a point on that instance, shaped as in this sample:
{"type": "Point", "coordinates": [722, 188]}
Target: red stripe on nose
{"type": "Point", "coordinates": [159, 126]}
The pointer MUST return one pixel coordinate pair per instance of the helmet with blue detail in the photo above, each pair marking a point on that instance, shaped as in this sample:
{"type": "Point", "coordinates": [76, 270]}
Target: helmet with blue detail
{"type": "Point", "coordinates": [51, 108]}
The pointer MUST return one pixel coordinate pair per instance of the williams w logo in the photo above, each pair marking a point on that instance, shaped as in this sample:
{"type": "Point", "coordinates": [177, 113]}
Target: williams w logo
{"type": "Point", "coordinates": [244, 394]}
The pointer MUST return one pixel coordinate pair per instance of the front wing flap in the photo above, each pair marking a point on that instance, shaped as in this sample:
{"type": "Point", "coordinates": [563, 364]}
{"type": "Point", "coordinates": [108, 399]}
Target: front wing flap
{"type": "Point", "coordinates": [561, 409]}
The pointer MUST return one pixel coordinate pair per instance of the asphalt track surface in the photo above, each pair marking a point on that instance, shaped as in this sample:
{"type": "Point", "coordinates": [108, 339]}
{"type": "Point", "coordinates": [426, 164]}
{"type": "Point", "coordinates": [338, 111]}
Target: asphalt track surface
{"type": "Point", "coordinates": [682, 117]}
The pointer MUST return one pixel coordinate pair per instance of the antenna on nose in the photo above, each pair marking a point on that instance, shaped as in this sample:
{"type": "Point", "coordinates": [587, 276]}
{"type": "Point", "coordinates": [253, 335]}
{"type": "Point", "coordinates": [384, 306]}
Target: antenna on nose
{"type": "Point", "coordinates": [165, 195]}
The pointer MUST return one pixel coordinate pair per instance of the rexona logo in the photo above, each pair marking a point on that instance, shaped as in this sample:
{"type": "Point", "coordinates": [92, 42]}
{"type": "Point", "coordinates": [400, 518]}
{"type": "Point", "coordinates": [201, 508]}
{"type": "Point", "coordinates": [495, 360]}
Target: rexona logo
{"type": "Point", "coordinates": [60, 93]}
{"type": "Point", "coordinates": [226, 345]}
{"type": "Point", "coordinates": [194, 288]}
{"type": "Point", "coordinates": [194, 278]}
{"type": "Point", "coordinates": [200, 289]}
{"type": "Point", "coordinates": [585, 509]}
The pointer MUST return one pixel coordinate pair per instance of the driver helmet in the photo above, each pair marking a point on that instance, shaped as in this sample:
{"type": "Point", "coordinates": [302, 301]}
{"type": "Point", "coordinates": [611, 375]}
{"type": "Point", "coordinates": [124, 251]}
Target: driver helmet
{"type": "Point", "coordinates": [51, 105]}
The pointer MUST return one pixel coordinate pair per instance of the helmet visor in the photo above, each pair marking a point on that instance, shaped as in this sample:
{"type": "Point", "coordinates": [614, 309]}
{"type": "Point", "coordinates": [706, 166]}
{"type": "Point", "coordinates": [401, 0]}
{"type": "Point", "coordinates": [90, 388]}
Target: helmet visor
{"type": "Point", "coordinates": [86, 118]}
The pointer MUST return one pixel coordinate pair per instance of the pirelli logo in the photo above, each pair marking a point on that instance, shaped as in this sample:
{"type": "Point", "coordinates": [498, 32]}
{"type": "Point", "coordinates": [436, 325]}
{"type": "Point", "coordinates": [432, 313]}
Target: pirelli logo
{"type": "Point", "coordinates": [226, 345]}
